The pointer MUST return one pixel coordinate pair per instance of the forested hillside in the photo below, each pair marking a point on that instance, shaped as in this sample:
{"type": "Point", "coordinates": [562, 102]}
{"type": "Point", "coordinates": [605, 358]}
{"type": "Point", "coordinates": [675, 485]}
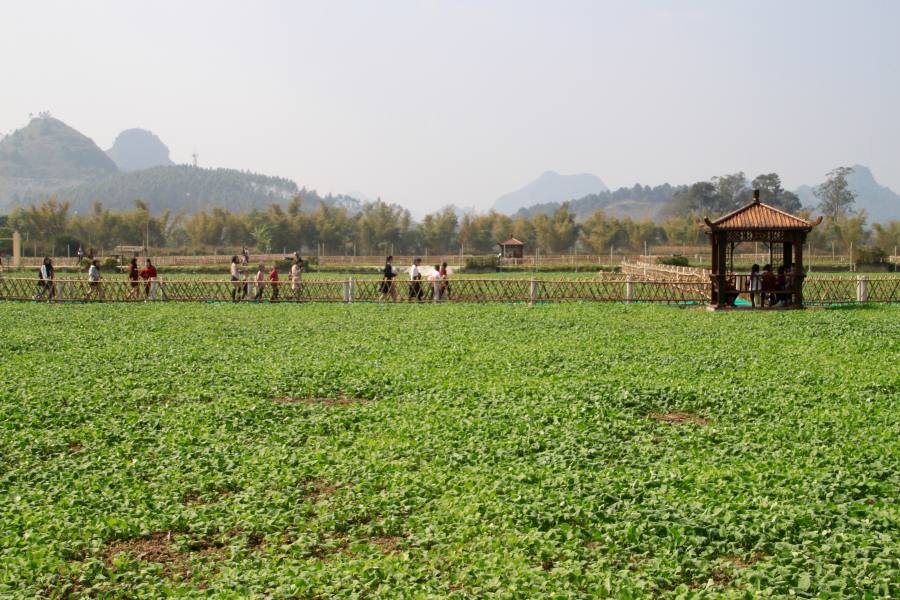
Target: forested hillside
{"type": "Point", "coordinates": [637, 201]}
{"type": "Point", "coordinates": [178, 188]}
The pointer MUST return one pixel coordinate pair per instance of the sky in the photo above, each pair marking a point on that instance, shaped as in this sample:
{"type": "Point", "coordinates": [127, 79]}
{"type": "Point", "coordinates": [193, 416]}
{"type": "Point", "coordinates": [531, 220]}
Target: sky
{"type": "Point", "coordinates": [426, 103]}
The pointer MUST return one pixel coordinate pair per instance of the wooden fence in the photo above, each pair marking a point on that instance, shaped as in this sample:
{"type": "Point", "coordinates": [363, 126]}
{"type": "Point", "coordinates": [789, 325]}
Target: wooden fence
{"type": "Point", "coordinates": [616, 288]}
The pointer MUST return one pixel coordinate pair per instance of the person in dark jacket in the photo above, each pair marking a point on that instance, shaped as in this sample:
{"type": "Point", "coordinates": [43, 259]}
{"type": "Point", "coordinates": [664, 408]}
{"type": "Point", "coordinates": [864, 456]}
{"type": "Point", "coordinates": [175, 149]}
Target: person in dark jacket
{"type": "Point", "coordinates": [387, 284]}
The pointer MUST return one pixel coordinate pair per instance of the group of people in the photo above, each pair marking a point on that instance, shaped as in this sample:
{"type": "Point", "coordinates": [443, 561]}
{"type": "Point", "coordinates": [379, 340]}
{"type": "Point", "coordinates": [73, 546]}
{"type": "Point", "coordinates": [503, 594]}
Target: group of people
{"type": "Point", "coordinates": [773, 288]}
{"type": "Point", "coordinates": [241, 279]}
{"type": "Point", "coordinates": [47, 276]}
{"type": "Point", "coordinates": [80, 254]}
{"type": "Point", "coordinates": [438, 288]}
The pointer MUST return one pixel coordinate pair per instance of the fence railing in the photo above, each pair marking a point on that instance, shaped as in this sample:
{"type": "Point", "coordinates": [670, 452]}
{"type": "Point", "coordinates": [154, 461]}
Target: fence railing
{"type": "Point", "coordinates": [620, 288]}
{"type": "Point", "coordinates": [607, 289]}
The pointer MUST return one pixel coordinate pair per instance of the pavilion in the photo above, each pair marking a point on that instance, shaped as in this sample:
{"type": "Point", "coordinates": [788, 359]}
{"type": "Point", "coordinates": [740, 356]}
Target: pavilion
{"type": "Point", "coordinates": [783, 234]}
{"type": "Point", "coordinates": [515, 248]}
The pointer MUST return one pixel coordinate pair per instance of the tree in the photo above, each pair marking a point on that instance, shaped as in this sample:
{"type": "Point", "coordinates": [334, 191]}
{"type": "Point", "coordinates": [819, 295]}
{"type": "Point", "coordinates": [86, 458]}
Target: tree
{"type": "Point", "coordinates": [846, 229]}
{"type": "Point", "coordinates": [771, 193]}
{"type": "Point", "coordinates": [887, 236]}
{"type": "Point", "coordinates": [681, 231]}
{"type": "Point", "coordinates": [732, 190]}
{"type": "Point", "coordinates": [599, 231]}
{"type": "Point", "coordinates": [639, 232]}
{"type": "Point", "coordinates": [701, 198]}
{"type": "Point", "coordinates": [835, 194]}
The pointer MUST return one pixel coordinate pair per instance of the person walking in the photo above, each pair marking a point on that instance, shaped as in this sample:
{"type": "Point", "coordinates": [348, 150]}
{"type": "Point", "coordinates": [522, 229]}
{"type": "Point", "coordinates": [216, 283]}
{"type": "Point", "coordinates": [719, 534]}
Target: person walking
{"type": "Point", "coordinates": [1, 269]}
{"type": "Point", "coordinates": [754, 283]}
{"type": "Point", "coordinates": [445, 285]}
{"type": "Point", "coordinates": [80, 257]}
{"type": "Point", "coordinates": [45, 284]}
{"type": "Point", "coordinates": [434, 283]}
{"type": "Point", "coordinates": [415, 290]}
{"type": "Point", "coordinates": [133, 278]}
{"type": "Point", "coordinates": [147, 274]}
{"type": "Point", "coordinates": [260, 282]}
{"type": "Point", "coordinates": [94, 281]}
{"type": "Point", "coordinates": [387, 283]}
{"type": "Point", "coordinates": [273, 278]}
{"type": "Point", "coordinates": [235, 277]}
{"type": "Point", "coordinates": [296, 275]}
{"type": "Point", "coordinates": [91, 254]}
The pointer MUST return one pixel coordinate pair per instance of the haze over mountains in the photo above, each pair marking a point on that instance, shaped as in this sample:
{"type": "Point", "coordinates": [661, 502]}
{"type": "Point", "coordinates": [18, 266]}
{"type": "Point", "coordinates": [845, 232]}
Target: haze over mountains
{"type": "Point", "coordinates": [49, 157]}
{"type": "Point", "coordinates": [139, 149]}
{"type": "Point", "coordinates": [549, 187]}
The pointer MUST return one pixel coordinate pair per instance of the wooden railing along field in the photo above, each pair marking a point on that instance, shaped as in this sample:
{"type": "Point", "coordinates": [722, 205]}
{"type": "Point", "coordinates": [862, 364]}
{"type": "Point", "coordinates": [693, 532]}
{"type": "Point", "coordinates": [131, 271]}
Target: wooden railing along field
{"type": "Point", "coordinates": [613, 288]}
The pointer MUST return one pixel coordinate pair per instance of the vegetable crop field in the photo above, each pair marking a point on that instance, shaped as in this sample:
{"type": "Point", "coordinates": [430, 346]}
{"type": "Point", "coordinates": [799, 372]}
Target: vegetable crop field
{"type": "Point", "coordinates": [452, 451]}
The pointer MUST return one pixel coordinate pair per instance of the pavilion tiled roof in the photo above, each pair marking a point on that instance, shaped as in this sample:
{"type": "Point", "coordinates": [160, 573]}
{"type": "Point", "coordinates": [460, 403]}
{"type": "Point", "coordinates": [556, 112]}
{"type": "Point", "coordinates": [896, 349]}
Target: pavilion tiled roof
{"type": "Point", "coordinates": [511, 242]}
{"type": "Point", "coordinates": [757, 215]}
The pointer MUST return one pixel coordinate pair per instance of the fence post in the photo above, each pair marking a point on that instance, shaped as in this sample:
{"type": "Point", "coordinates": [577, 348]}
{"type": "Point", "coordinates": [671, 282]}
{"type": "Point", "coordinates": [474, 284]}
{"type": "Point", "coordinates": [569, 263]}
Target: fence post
{"type": "Point", "coordinates": [153, 290]}
{"type": "Point", "coordinates": [629, 289]}
{"type": "Point", "coordinates": [352, 287]}
{"type": "Point", "coordinates": [534, 291]}
{"type": "Point", "coordinates": [862, 293]}
{"type": "Point", "coordinates": [346, 291]}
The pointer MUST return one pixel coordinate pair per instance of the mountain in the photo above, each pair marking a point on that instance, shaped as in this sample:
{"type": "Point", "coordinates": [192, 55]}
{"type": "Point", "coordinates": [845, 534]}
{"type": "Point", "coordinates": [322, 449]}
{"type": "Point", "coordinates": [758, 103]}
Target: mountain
{"type": "Point", "coordinates": [550, 187]}
{"type": "Point", "coordinates": [139, 149]}
{"type": "Point", "coordinates": [637, 202]}
{"type": "Point", "coordinates": [48, 154]}
{"type": "Point", "coordinates": [880, 202]}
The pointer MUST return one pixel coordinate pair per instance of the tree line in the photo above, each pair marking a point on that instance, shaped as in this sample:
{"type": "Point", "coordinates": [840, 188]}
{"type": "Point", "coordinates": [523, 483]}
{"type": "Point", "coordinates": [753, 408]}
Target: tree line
{"type": "Point", "coordinates": [381, 228]}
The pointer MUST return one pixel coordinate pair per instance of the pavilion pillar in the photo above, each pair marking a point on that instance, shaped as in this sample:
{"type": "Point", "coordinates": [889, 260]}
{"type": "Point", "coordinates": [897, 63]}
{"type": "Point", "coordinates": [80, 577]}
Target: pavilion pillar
{"type": "Point", "coordinates": [786, 254]}
{"type": "Point", "coordinates": [799, 273]}
{"type": "Point", "coordinates": [721, 260]}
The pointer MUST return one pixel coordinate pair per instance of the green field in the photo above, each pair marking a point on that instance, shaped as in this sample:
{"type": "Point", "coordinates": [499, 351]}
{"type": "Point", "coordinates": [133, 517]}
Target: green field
{"type": "Point", "coordinates": [466, 451]}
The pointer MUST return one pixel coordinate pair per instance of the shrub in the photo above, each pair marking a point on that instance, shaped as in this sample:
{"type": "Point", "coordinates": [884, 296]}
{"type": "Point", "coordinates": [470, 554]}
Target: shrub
{"type": "Point", "coordinates": [868, 254]}
{"type": "Point", "coordinates": [110, 263]}
{"type": "Point", "coordinates": [674, 261]}
{"type": "Point", "coordinates": [85, 263]}
{"type": "Point", "coordinates": [478, 262]}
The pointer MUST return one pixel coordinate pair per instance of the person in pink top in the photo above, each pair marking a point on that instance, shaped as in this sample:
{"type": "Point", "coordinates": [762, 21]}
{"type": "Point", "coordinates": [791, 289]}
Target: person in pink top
{"type": "Point", "coordinates": [273, 277]}
{"type": "Point", "coordinates": [260, 282]}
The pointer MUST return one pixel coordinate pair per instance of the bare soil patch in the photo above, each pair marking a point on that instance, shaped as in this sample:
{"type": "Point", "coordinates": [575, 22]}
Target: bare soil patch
{"type": "Point", "coordinates": [317, 489]}
{"type": "Point", "coordinates": [158, 548]}
{"type": "Point", "coordinates": [388, 544]}
{"type": "Point", "coordinates": [329, 402]}
{"type": "Point", "coordinates": [678, 418]}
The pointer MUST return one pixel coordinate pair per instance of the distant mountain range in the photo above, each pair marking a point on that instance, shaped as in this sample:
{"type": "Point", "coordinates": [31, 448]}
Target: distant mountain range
{"type": "Point", "coordinates": [550, 187]}
{"type": "Point", "coordinates": [880, 202]}
{"type": "Point", "coordinates": [49, 157]}
{"type": "Point", "coordinates": [139, 149]}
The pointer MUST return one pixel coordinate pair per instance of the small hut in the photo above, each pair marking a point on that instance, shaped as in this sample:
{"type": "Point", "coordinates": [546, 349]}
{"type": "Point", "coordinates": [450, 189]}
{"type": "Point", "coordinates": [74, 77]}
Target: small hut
{"type": "Point", "coordinates": [512, 248]}
{"type": "Point", "coordinates": [782, 233]}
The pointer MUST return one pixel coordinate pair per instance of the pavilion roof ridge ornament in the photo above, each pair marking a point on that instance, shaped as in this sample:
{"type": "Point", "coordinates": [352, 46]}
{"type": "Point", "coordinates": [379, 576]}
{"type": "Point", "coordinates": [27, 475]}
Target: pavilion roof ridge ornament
{"type": "Point", "coordinates": [757, 215]}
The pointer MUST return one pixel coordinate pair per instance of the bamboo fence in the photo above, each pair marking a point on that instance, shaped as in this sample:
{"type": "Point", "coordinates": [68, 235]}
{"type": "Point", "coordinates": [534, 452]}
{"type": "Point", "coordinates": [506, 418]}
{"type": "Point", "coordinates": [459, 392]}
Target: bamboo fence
{"type": "Point", "coordinates": [616, 288]}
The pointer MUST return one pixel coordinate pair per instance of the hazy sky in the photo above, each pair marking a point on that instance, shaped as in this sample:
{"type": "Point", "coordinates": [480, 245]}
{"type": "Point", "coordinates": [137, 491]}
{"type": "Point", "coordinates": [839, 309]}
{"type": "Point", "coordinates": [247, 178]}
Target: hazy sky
{"type": "Point", "coordinates": [426, 102]}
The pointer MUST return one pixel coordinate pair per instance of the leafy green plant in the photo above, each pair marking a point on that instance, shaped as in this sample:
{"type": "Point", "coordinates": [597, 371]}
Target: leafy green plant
{"type": "Point", "coordinates": [462, 451]}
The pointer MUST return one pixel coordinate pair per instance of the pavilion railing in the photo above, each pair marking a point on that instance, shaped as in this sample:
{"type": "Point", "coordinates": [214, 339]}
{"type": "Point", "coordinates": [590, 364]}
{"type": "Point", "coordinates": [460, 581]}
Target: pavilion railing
{"type": "Point", "coordinates": [617, 288]}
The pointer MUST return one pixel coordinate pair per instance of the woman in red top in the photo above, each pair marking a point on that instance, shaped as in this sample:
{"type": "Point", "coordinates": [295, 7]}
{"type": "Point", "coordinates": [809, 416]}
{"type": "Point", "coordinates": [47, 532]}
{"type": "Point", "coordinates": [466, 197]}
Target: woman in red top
{"type": "Point", "coordinates": [273, 277]}
{"type": "Point", "coordinates": [148, 273]}
{"type": "Point", "coordinates": [133, 275]}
